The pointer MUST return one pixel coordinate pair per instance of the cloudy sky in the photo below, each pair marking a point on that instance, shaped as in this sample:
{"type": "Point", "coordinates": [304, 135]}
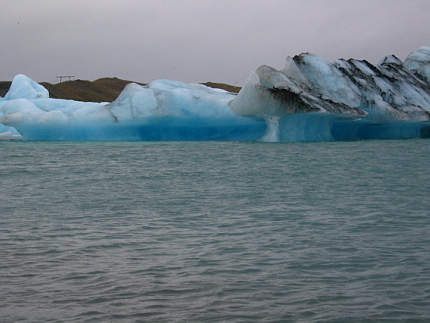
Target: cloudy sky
{"type": "Point", "coordinates": [198, 40]}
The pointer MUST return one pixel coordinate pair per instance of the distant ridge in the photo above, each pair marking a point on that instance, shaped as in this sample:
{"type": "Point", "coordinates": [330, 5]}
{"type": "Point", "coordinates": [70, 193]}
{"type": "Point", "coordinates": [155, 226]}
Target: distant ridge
{"type": "Point", "coordinates": [102, 90]}
{"type": "Point", "coordinates": [4, 87]}
{"type": "Point", "coordinates": [223, 86]}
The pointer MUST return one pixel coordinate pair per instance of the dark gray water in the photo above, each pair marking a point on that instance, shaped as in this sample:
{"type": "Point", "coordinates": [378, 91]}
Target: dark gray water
{"type": "Point", "coordinates": [215, 232]}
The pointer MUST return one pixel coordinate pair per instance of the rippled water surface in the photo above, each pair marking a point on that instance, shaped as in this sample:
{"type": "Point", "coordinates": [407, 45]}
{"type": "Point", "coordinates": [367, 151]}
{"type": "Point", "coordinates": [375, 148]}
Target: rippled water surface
{"type": "Point", "coordinates": [215, 232]}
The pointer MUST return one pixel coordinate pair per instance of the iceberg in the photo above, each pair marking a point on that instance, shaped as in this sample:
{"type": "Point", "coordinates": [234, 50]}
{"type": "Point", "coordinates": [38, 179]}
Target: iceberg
{"type": "Point", "coordinates": [162, 110]}
{"type": "Point", "coordinates": [309, 100]}
{"type": "Point", "coordinates": [312, 100]}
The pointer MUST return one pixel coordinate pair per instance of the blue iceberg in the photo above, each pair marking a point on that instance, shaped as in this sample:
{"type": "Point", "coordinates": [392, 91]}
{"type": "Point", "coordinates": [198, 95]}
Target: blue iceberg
{"type": "Point", "coordinates": [163, 110]}
{"type": "Point", "coordinates": [309, 100]}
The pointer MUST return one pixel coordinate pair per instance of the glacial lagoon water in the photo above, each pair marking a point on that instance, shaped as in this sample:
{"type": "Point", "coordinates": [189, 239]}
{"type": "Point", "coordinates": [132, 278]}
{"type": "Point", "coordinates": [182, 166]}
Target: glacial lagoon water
{"type": "Point", "coordinates": [215, 231]}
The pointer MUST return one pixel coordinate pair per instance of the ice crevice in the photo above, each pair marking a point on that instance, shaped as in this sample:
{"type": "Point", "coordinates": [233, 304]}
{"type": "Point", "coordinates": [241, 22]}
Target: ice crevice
{"type": "Point", "coordinates": [308, 100]}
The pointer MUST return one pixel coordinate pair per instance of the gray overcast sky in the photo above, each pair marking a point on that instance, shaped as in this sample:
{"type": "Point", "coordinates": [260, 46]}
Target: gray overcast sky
{"type": "Point", "coordinates": [198, 40]}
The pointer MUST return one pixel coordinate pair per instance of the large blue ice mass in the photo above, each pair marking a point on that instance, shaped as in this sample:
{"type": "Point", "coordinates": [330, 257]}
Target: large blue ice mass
{"type": "Point", "coordinates": [309, 100]}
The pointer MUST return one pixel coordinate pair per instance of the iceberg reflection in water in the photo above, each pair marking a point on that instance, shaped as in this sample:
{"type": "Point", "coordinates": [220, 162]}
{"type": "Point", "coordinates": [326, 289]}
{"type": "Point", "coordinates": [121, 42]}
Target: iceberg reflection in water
{"type": "Point", "coordinates": [309, 100]}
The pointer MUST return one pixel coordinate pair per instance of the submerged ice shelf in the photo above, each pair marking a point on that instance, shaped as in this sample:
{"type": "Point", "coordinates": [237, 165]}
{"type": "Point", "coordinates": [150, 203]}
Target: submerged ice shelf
{"type": "Point", "coordinates": [309, 100]}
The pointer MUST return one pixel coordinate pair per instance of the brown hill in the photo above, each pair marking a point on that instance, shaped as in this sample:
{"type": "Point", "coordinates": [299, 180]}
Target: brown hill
{"type": "Point", "coordinates": [4, 87]}
{"type": "Point", "coordinates": [101, 90]}
{"type": "Point", "coordinates": [227, 87]}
